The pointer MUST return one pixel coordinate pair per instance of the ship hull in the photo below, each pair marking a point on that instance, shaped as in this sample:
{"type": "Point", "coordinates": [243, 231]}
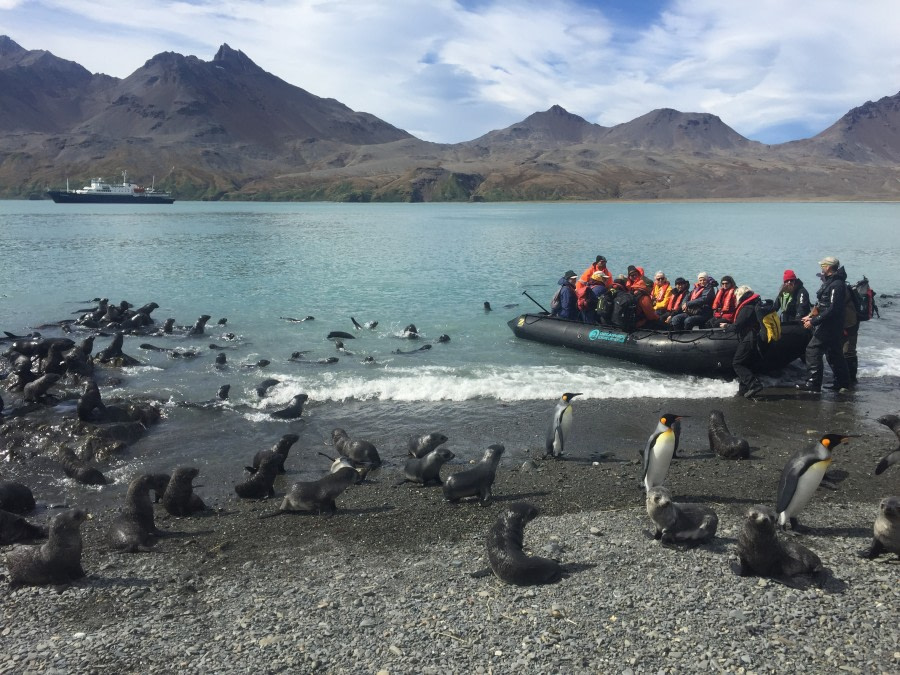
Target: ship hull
{"type": "Point", "coordinates": [63, 197]}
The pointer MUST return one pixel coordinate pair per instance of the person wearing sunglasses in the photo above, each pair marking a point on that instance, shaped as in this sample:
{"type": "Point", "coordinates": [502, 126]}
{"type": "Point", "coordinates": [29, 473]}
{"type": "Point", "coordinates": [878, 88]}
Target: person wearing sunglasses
{"type": "Point", "coordinates": [792, 299]}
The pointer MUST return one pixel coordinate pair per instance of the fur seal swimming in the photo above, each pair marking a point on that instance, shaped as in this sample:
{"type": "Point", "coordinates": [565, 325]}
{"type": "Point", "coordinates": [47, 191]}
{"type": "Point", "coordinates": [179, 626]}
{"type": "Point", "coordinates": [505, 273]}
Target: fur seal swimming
{"type": "Point", "coordinates": [280, 449]}
{"type": "Point", "coordinates": [90, 405]}
{"type": "Point", "coordinates": [262, 389]}
{"type": "Point", "coordinates": [679, 522]}
{"type": "Point", "coordinates": [477, 481]}
{"type": "Point", "coordinates": [319, 495]}
{"type": "Point", "coordinates": [762, 553]}
{"type": "Point", "coordinates": [217, 402]}
{"type": "Point", "coordinates": [179, 498]}
{"type": "Point", "coordinates": [721, 440]}
{"type": "Point", "coordinates": [427, 469]}
{"type": "Point", "coordinates": [343, 335]}
{"type": "Point", "coordinates": [360, 452]}
{"type": "Point", "coordinates": [410, 332]}
{"type": "Point", "coordinates": [37, 390]}
{"type": "Point", "coordinates": [886, 529]}
{"type": "Point", "coordinates": [78, 471]}
{"type": "Point", "coordinates": [892, 422]}
{"type": "Point", "coordinates": [56, 562]}
{"type": "Point", "coordinates": [419, 446]}
{"type": "Point", "coordinates": [14, 528]}
{"type": "Point", "coordinates": [505, 554]}
{"type": "Point", "coordinates": [16, 497]}
{"type": "Point", "coordinates": [423, 348]}
{"type": "Point", "coordinates": [134, 529]}
{"type": "Point", "coordinates": [199, 325]}
{"type": "Point", "coordinates": [293, 410]}
{"type": "Point", "coordinates": [261, 485]}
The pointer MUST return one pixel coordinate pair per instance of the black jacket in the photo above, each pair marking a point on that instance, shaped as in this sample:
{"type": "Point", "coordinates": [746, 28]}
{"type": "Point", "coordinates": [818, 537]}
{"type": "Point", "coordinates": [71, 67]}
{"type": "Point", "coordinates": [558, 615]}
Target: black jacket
{"type": "Point", "coordinates": [746, 323]}
{"type": "Point", "coordinates": [798, 306]}
{"type": "Point", "coordinates": [831, 303]}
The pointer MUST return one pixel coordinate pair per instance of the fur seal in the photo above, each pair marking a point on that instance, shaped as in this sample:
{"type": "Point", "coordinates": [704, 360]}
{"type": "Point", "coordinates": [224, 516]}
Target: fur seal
{"type": "Point", "coordinates": [423, 348]}
{"type": "Point", "coordinates": [679, 522]}
{"type": "Point", "coordinates": [78, 471]}
{"type": "Point", "coordinates": [262, 389]}
{"type": "Point", "coordinates": [40, 346]}
{"type": "Point", "coordinates": [293, 410]}
{"type": "Point", "coordinates": [722, 442]}
{"type": "Point", "coordinates": [179, 498]}
{"type": "Point", "coordinates": [427, 469]}
{"type": "Point", "coordinates": [360, 452]}
{"type": "Point", "coordinates": [886, 529]}
{"type": "Point", "coordinates": [221, 360]}
{"type": "Point", "coordinates": [762, 553]}
{"type": "Point", "coordinates": [217, 402]}
{"type": "Point", "coordinates": [410, 332]}
{"type": "Point", "coordinates": [199, 325]}
{"type": "Point", "coordinates": [261, 485]}
{"type": "Point", "coordinates": [90, 405]}
{"type": "Point", "coordinates": [293, 320]}
{"type": "Point", "coordinates": [56, 562]}
{"type": "Point", "coordinates": [505, 554]}
{"type": "Point", "coordinates": [477, 481]}
{"type": "Point", "coordinates": [419, 446]}
{"type": "Point", "coordinates": [36, 391]}
{"type": "Point", "coordinates": [892, 422]}
{"type": "Point", "coordinates": [14, 528]}
{"type": "Point", "coordinates": [134, 529]}
{"type": "Point", "coordinates": [16, 497]}
{"type": "Point", "coordinates": [319, 495]}
{"type": "Point", "coordinates": [343, 335]}
{"type": "Point", "coordinates": [280, 449]}
{"type": "Point", "coordinates": [113, 353]}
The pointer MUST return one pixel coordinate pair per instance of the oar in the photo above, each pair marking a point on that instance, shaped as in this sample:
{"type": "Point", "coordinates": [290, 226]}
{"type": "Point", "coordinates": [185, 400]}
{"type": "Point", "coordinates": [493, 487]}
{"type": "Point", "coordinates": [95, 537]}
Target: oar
{"type": "Point", "coordinates": [525, 293]}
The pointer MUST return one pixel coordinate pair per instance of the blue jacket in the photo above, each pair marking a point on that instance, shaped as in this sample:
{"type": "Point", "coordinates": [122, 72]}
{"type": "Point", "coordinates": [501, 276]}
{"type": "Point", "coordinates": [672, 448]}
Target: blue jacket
{"type": "Point", "coordinates": [568, 303]}
{"type": "Point", "coordinates": [703, 302]}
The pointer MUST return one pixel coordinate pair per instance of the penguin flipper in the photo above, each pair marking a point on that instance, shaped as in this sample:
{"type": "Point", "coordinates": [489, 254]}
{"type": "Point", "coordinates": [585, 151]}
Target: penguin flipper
{"type": "Point", "coordinates": [647, 451]}
{"type": "Point", "coordinates": [676, 429]}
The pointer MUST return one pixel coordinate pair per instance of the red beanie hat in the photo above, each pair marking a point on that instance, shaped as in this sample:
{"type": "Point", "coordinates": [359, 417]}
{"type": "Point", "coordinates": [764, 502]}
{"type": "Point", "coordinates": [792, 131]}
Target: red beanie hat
{"type": "Point", "coordinates": [789, 275]}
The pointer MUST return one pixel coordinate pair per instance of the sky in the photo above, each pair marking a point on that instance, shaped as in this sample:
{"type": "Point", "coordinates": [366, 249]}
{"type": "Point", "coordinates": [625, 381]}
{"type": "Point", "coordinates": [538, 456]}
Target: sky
{"type": "Point", "coordinates": [452, 70]}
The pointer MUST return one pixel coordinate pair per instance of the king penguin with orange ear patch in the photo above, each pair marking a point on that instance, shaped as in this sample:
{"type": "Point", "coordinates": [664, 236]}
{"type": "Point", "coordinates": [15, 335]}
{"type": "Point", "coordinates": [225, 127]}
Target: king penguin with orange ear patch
{"type": "Point", "coordinates": [659, 451]}
{"type": "Point", "coordinates": [558, 433]}
{"type": "Point", "coordinates": [801, 477]}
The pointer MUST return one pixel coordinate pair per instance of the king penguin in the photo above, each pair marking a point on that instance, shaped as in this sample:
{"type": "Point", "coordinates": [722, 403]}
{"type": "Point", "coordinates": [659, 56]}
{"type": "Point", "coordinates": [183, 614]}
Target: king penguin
{"type": "Point", "coordinates": [558, 432]}
{"type": "Point", "coordinates": [659, 451]}
{"type": "Point", "coordinates": [801, 477]}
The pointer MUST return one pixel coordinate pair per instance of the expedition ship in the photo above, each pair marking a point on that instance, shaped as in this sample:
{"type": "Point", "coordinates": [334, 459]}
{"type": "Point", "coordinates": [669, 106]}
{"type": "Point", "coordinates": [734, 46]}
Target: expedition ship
{"type": "Point", "coordinates": [101, 192]}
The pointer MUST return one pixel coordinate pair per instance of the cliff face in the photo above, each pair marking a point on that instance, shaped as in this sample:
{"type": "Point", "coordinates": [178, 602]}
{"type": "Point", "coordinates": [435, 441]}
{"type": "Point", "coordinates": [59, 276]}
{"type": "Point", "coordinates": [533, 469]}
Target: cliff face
{"type": "Point", "coordinates": [228, 129]}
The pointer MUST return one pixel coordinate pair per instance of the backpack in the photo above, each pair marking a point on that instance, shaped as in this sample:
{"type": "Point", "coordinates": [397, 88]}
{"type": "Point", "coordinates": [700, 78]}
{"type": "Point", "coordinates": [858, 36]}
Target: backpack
{"type": "Point", "coordinates": [767, 314]}
{"type": "Point", "coordinates": [584, 296]}
{"type": "Point", "coordinates": [624, 314]}
{"type": "Point", "coordinates": [556, 303]}
{"type": "Point", "coordinates": [605, 306]}
{"type": "Point", "coordinates": [863, 299]}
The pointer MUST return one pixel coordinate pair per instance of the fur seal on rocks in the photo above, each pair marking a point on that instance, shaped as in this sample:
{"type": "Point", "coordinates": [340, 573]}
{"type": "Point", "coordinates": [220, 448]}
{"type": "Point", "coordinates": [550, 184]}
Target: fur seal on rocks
{"type": "Point", "coordinates": [280, 449]}
{"type": "Point", "coordinates": [261, 485]}
{"type": "Point", "coordinates": [114, 355]}
{"type": "Point", "coordinates": [504, 548]}
{"type": "Point", "coordinates": [56, 562]}
{"type": "Point", "coordinates": [293, 410]}
{"type": "Point", "coordinates": [892, 422]}
{"type": "Point", "coordinates": [360, 452]}
{"type": "Point", "coordinates": [427, 469]}
{"type": "Point", "coordinates": [722, 442]}
{"type": "Point", "coordinates": [134, 529]}
{"type": "Point", "coordinates": [90, 405]}
{"type": "Point", "coordinates": [14, 528]}
{"type": "Point", "coordinates": [179, 498]}
{"type": "Point", "coordinates": [762, 553]}
{"type": "Point", "coordinates": [886, 529]}
{"type": "Point", "coordinates": [319, 495]}
{"type": "Point", "coordinates": [78, 471]}
{"type": "Point", "coordinates": [419, 446]}
{"type": "Point", "coordinates": [16, 497]}
{"type": "Point", "coordinates": [679, 522]}
{"type": "Point", "coordinates": [477, 481]}
{"type": "Point", "coordinates": [37, 391]}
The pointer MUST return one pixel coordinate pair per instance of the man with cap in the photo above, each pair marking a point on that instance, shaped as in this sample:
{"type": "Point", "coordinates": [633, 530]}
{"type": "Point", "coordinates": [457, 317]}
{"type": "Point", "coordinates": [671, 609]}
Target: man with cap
{"type": "Point", "coordinates": [599, 265]}
{"type": "Point", "coordinates": [567, 308]}
{"type": "Point", "coordinates": [792, 299]}
{"type": "Point", "coordinates": [696, 310]}
{"type": "Point", "coordinates": [826, 321]}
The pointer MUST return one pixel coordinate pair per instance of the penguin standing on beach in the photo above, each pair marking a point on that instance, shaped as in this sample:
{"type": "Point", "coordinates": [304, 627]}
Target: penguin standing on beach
{"type": "Point", "coordinates": [659, 451]}
{"type": "Point", "coordinates": [560, 426]}
{"type": "Point", "coordinates": [801, 477]}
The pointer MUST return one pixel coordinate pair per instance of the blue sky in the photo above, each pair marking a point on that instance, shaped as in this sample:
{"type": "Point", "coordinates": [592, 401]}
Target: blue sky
{"type": "Point", "coordinates": [452, 70]}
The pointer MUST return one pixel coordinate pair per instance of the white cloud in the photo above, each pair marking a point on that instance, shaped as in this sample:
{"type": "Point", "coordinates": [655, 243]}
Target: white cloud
{"type": "Point", "coordinates": [447, 73]}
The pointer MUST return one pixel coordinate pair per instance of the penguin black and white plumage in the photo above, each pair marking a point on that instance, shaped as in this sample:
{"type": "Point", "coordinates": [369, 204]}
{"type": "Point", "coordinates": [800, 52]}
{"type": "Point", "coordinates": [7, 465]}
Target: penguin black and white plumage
{"type": "Point", "coordinates": [892, 422]}
{"type": "Point", "coordinates": [801, 477]}
{"type": "Point", "coordinates": [659, 451]}
{"type": "Point", "coordinates": [558, 433]}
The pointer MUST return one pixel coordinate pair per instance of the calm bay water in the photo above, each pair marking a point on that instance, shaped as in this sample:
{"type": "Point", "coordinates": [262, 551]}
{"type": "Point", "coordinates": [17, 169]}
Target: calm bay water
{"type": "Point", "coordinates": [433, 265]}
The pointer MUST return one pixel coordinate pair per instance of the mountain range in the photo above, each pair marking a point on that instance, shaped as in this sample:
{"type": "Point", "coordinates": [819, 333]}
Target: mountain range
{"type": "Point", "coordinates": [227, 129]}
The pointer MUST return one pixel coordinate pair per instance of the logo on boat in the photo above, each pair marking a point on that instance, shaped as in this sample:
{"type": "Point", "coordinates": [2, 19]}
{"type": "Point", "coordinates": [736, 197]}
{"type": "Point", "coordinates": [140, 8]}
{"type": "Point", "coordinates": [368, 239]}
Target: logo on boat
{"type": "Point", "coordinates": [606, 336]}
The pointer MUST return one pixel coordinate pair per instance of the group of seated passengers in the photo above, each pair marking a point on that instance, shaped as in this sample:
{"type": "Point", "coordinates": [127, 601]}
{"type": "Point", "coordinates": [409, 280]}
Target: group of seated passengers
{"type": "Point", "coordinates": [634, 301]}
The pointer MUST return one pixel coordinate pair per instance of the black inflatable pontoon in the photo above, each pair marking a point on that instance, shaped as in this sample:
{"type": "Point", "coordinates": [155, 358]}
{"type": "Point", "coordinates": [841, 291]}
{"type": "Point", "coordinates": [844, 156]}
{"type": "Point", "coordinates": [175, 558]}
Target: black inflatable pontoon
{"type": "Point", "coordinates": [706, 352]}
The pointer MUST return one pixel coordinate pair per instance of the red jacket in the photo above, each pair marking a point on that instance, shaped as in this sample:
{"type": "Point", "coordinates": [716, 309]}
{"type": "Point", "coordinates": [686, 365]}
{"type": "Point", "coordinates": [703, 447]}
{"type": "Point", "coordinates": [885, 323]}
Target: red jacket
{"type": "Point", "coordinates": [675, 300]}
{"type": "Point", "coordinates": [725, 305]}
{"type": "Point", "coordinates": [644, 303]}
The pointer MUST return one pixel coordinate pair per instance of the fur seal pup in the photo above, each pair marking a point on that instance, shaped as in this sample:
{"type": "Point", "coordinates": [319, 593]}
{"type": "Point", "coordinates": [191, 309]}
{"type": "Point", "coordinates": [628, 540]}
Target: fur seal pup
{"type": "Point", "coordinates": [16, 497]}
{"type": "Point", "coordinates": [886, 529]}
{"type": "Point", "coordinates": [179, 498]}
{"type": "Point", "coordinates": [477, 481]}
{"type": "Point", "coordinates": [134, 529]}
{"type": "Point", "coordinates": [504, 548]}
{"type": "Point", "coordinates": [199, 325]}
{"type": "Point", "coordinates": [801, 477]}
{"type": "Point", "coordinates": [261, 485]}
{"type": "Point", "coordinates": [319, 495]}
{"type": "Point", "coordinates": [293, 410]}
{"type": "Point", "coordinates": [14, 528]}
{"type": "Point", "coordinates": [679, 522]}
{"type": "Point", "coordinates": [78, 471]}
{"type": "Point", "coordinates": [762, 553]}
{"type": "Point", "coordinates": [419, 446]}
{"type": "Point", "coordinates": [56, 562]}
{"type": "Point", "coordinates": [37, 391]}
{"type": "Point", "coordinates": [360, 452]}
{"type": "Point", "coordinates": [721, 440]}
{"type": "Point", "coordinates": [892, 422]}
{"type": "Point", "coordinates": [262, 389]}
{"type": "Point", "coordinates": [427, 469]}
{"type": "Point", "coordinates": [90, 405]}
{"type": "Point", "coordinates": [280, 449]}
